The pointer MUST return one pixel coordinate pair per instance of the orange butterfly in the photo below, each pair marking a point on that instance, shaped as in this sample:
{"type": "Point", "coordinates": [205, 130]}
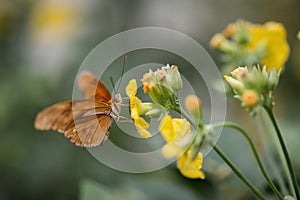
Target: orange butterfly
{"type": "Point", "coordinates": [85, 122]}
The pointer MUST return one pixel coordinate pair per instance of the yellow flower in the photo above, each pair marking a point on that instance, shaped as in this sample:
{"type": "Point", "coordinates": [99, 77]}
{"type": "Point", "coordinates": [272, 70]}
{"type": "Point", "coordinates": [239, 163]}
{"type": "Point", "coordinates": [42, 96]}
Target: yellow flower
{"type": "Point", "coordinates": [55, 19]}
{"type": "Point", "coordinates": [277, 48]}
{"type": "Point", "coordinates": [137, 109]}
{"type": "Point", "coordinates": [131, 88]}
{"type": "Point", "coordinates": [173, 128]}
{"type": "Point", "coordinates": [189, 167]}
{"type": "Point", "coordinates": [174, 131]}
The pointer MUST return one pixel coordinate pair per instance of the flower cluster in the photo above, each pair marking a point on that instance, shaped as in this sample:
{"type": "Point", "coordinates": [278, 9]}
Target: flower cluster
{"type": "Point", "coordinates": [253, 88]}
{"type": "Point", "coordinates": [245, 44]}
{"type": "Point", "coordinates": [162, 86]}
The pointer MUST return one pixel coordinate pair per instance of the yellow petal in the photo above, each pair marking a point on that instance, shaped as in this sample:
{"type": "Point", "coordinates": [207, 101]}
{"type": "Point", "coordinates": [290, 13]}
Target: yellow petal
{"type": "Point", "coordinates": [277, 47]}
{"type": "Point", "coordinates": [133, 107]}
{"type": "Point", "coordinates": [134, 113]}
{"type": "Point", "coordinates": [171, 150]}
{"type": "Point", "coordinates": [182, 126]}
{"type": "Point", "coordinates": [191, 168]}
{"type": "Point", "coordinates": [141, 122]}
{"type": "Point", "coordinates": [143, 132]}
{"type": "Point", "coordinates": [131, 88]}
{"type": "Point", "coordinates": [166, 128]}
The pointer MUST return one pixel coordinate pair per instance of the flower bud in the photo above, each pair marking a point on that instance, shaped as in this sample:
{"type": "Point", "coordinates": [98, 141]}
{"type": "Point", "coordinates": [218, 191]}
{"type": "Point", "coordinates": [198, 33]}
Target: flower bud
{"type": "Point", "coordinates": [217, 40]}
{"type": "Point", "coordinates": [144, 107]}
{"type": "Point", "coordinates": [161, 95]}
{"type": "Point", "coordinates": [238, 86]}
{"type": "Point", "coordinates": [250, 98]}
{"type": "Point", "coordinates": [174, 78]}
{"type": "Point", "coordinates": [230, 30]}
{"type": "Point", "coordinates": [193, 105]}
{"type": "Point", "coordinates": [240, 72]}
{"type": "Point", "coordinates": [154, 113]}
{"type": "Point", "coordinates": [273, 79]}
{"type": "Point", "coordinates": [242, 35]}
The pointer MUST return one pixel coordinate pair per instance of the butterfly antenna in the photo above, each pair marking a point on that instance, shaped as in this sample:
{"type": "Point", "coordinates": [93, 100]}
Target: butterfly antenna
{"type": "Point", "coordinates": [122, 73]}
{"type": "Point", "coordinates": [112, 83]}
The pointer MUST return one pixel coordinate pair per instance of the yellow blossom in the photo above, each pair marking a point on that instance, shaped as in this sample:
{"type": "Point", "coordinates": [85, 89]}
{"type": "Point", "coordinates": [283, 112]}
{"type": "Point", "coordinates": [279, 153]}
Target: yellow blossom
{"type": "Point", "coordinates": [189, 167]}
{"type": "Point", "coordinates": [136, 109]}
{"type": "Point", "coordinates": [171, 150]}
{"type": "Point", "coordinates": [174, 131]}
{"type": "Point", "coordinates": [172, 128]}
{"type": "Point", "coordinates": [131, 88]}
{"type": "Point", "coordinates": [54, 19]}
{"type": "Point", "coordinates": [277, 48]}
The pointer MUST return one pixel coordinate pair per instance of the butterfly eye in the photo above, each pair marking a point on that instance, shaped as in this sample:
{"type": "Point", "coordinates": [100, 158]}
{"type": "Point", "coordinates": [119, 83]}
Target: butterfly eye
{"type": "Point", "coordinates": [117, 98]}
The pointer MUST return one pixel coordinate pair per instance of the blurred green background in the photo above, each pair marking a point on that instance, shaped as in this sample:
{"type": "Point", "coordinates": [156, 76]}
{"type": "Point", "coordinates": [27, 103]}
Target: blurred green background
{"type": "Point", "coordinates": [42, 44]}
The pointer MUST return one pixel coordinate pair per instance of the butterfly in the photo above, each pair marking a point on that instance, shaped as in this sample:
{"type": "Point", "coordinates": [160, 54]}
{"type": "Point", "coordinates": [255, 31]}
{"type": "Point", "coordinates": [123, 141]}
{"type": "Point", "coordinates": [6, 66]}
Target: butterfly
{"type": "Point", "coordinates": [84, 122]}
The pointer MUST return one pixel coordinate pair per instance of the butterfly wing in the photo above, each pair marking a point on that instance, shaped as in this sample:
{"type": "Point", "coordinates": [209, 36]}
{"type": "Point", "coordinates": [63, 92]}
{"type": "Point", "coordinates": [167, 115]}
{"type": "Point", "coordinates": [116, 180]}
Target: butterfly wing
{"type": "Point", "coordinates": [85, 122]}
{"type": "Point", "coordinates": [92, 87]}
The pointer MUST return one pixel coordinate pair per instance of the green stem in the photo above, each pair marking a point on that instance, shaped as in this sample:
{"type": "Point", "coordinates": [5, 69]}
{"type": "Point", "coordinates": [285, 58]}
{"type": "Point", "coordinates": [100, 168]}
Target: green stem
{"type": "Point", "coordinates": [222, 155]}
{"type": "Point", "coordinates": [238, 173]}
{"type": "Point", "coordinates": [186, 116]}
{"type": "Point", "coordinates": [269, 144]}
{"type": "Point", "coordinates": [284, 149]}
{"type": "Point", "coordinates": [255, 153]}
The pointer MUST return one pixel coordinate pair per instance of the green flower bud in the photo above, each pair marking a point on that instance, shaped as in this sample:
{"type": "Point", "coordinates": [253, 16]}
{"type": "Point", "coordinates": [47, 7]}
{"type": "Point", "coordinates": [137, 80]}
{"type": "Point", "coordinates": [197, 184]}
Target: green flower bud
{"type": "Point", "coordinates": [155, 112]}
{"type": "Point", "coordinates": [273, 79]}
{"type": "Point", "coordinates": [174, 78]}
{"type": "Point", "coordinates": [144, 107]}
{"type": "Point", "coordinates": [238, 86]}
{"type": "Point", "coordinates": [242, 34]}
{"type": "Point", "coordinates": [161, 95]}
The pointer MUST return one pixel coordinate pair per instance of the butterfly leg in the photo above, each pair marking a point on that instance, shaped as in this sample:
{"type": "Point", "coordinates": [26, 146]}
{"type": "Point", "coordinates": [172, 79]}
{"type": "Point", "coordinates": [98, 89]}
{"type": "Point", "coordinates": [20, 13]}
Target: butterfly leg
{"type": "Point", "coordinates": [124, 119]}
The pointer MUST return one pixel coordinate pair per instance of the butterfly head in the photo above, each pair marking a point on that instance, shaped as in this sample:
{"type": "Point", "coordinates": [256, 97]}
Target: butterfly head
{"type": "Point", "coordinates": [117, 98]}
{"type": "Point", "coordinates": [116, 106]}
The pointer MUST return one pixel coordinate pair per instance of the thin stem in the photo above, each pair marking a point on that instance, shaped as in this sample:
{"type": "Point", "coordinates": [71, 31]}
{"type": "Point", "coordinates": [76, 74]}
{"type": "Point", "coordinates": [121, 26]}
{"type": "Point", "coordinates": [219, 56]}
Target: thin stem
{"type": "Point", "coordinates": [270, 143]}
{"type": "Point", "coordinates": [222, 155]}
{"type": "Point", "coordinates": [259, 162]}
{"type": "Point", "coordinates": [238, 173]}
{"type": "Point", "coordinates": [186, 115]}
{"type": "Point", "coordinates": [284, 149]}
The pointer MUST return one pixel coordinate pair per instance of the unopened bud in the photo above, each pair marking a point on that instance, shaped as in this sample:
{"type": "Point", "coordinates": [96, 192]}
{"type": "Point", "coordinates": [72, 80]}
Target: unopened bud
{"type": "Point", "coordinates": [238, 86]}
{"type": "Point", "coordinates": [174, 78]}
{"type": "Point", "coordinates": [240, 72]}
{"type": "Point", "coordinates": [193, 104]}
{"type": "Point", "coordinates": [154, 113]}
{"type": "Point", "coordinates": [250, 97]}
{"type": "Point", "coordinates": [217, 40]}
{"type": "Point", "coordinates": [229, 30]}
{"type": "Point", "coordinates": [273, 79]}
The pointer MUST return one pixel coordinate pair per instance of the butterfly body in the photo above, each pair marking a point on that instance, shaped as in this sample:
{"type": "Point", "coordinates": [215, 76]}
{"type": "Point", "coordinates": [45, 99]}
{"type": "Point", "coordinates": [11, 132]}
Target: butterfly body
{"type": "Point", "coordinates": [84, 122]}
